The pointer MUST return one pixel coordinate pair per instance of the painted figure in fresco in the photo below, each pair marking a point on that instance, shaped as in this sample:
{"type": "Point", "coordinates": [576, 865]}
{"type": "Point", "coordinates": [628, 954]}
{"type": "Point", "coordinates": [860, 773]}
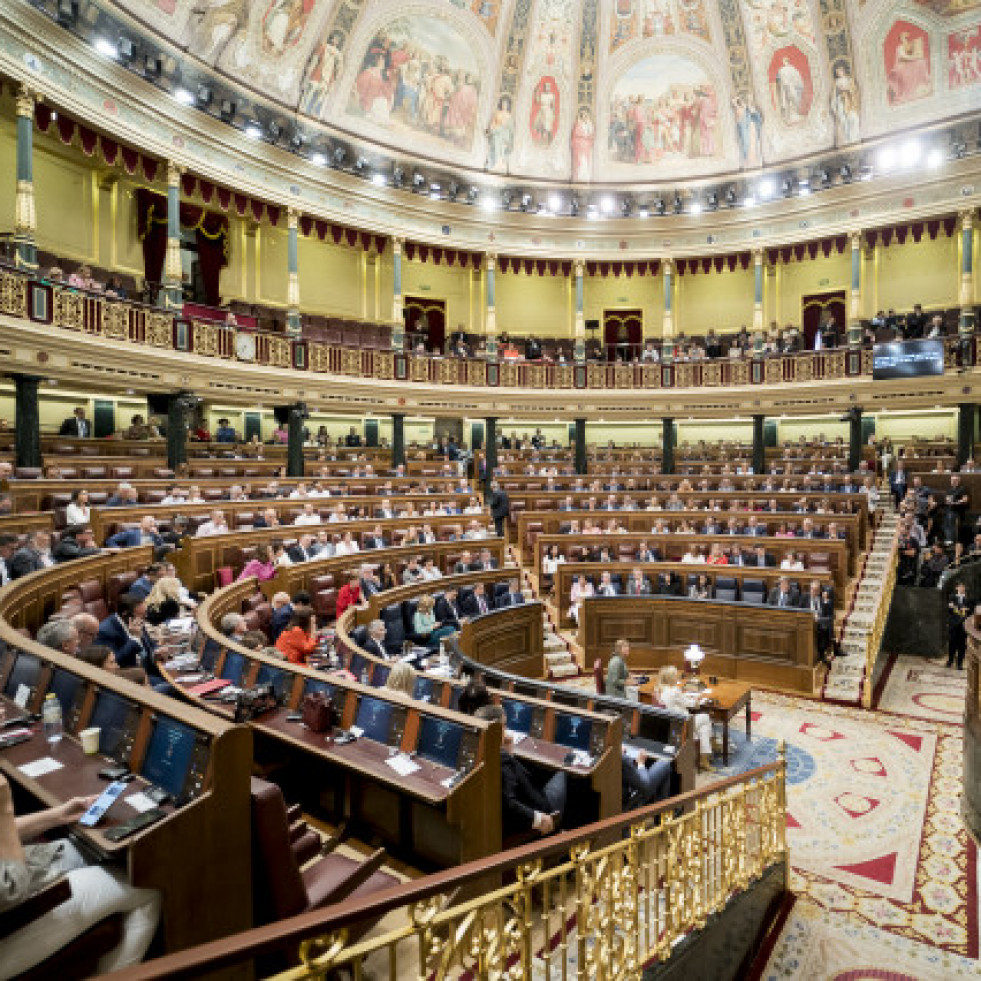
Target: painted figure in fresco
{"type": "Point", "coordinates": [749, 131]}
{"type": "Point", "coordinates": [583, 137]}
{"type": "Point", "coordinates": [283, 24]}
{"type": "Point", "coordinates": [845, 106]}
{"type": "Point", "coordinates": [909, 76]}
{"type": "Point", "coordinates": [544, 112]}
{"type": "Point", "coordinates": [218, 22]}
{"type": "Point", "coordinates": [500, 135]}
{"type": "Point", "coordinates": [325, 66]}
{"type": "Point", "coordinates": [964, 58]}
{"type": "Point", "coordinates": [788, 92]}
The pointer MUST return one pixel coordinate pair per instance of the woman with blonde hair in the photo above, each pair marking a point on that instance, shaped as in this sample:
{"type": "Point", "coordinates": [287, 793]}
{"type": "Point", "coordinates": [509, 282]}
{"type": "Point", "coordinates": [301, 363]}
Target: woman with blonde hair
{"type": "Point", "coordinates": [163, 602]}
{"type": "Point", "coordinates": [426, 627]}
{"type": "Point", "coordinates": [402, 678]}
{"type": "Point", "coordinates": [670, 695]}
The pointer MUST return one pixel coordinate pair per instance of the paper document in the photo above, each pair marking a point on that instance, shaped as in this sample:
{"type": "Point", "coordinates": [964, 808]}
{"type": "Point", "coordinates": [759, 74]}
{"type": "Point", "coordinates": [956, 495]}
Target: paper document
{"type": "Point", "coordinates": [140, 802]}
{"type": "Point", "coordinates": [402, 765]}
{"type": "Point", "coordinates": [39, 767]}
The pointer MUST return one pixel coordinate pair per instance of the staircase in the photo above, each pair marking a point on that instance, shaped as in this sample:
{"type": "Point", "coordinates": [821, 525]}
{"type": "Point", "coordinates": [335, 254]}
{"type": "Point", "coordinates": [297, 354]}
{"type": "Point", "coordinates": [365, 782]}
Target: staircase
{"type": "Point", "coordinates": [850, 675]}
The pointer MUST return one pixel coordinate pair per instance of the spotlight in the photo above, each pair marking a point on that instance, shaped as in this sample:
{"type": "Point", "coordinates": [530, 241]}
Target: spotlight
{"type": "Point", "coordinates": [659, 206]}
{"type": "Point", "coordinates": [340, 154]}
{"type": "Point", "coordinates": [574, 205]}
{"type": "Point", "coordinates": [152, 66]}
{"type": "Point", "coordinates": [506, 200]}
{"type": "Point", "coordinates": [184, 97]}
{"type": "Point", "coordinates": [626, 207]}
{"type": "Point", "coordinates": [487, 203]}
{"type": "Point", "coordinates": [749, 201]}
{"type": "Point", "coordinates": [845, 173]}
{"type": "Point", "coordinates": [106, 48]}
{"type": "Point", "coordinates": [787, 187]}
{"type": "Point", "coordinates": [866, 172]}
{"type": "Point", "coordinates": [203, 96]}
{"type": "Point", "coordinates": [434, 191]}
{"type": "Point", "coordinates": [804, 187]}
{"type": "Point", "coordinates": [886, 159]}
{"type": "Point", "coordinates": [227, 110]}
{"type": "Point", "coordinates": [959, 149]}
{"type": "Point", "coordinates": [695, 208]}
{"type": "Point", "coordinates": [126, 50]}
{"type": "Point", "coordinates": [526, 202]}
{"type": "Point", "coordinates": [643, 211]}
{"type": "Point", "coordinates": [275, 130]}
{"type": "Point", "coordinates": [679, 205]}
{"type": "Point", "coordinates": [554, 203]}
{"type": "Point", "coordinates": [824, 175]}
{"type": "Point", "coordinates": [318, 160]}
{"type": "Point", "coordinates": [766, 189]}
{"type": "Point", "coordinates": [731, 197]}
{"type": "Point", "coordinates": [713, 201]}
{"type": "Point", "coordinates": [418, 180]}
{"type": "Point", "coordinates": [472, 194]}
{"type": "Point", "coordinates": [608, 205]}
{"type": "Point", "coordinates": [912, 151]}
{"type": "Point", "coordinates": [398, 177]}
{"type": "Point", "coordinates": [378, 178]}
{"type": "Point", "coordinates": [360, 165]}
{"type": "Point", "coordinates": [453, 190]}
{"type": "Point", "coordinates": [592, 212]}
{"type": "Point", "coordinates": [67, 12]}
{"type": "Point", "coordinates": [935, 158]}
{"type": "Point", "coordinates": [253, 130]}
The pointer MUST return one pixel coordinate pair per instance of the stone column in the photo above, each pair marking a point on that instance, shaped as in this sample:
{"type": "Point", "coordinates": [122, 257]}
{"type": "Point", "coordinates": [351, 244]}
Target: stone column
{"type": "Point", "coordinates": [967, 275]}
{"type": "Point", "coordinates": [757, 290]}
{"type": "Point", "coordinates": [854, 438]}
{"type": "Point", "coordinates": [759, 447]}
{"type": "Point", "coordinates": [490, 449]}
{"type": "Point", "coordinates": [25, 216]}
{"type": "Point", "coordinates": [667, 445]}
{"type": "Point", "coordinates": [398, 319]}
{"type": "Point", "coordinates": [293, 283]}
{"type": "Point", "coordinates": [668, 327]}
{"type": "Point", "coordinates": [579, 325]}
{"type": "Point", "coordinates": [855, 295]}
{"type": "Point", "coordinates": [398, 439]}
{"type": "Point", "coordinates": [490, 327]}
{"type": "Point", "coordinates": [173, 274]}
{"type": "Point", "coordinates": [967, 413]}
{"type": "Point", "coordinates": [176, 431]}
{"type": "Point", "coordinates": [294, 441]}
{"type": "Point", "coordinates": [582, 465]}
{"type": "Point", "coordinates": [27, 421]}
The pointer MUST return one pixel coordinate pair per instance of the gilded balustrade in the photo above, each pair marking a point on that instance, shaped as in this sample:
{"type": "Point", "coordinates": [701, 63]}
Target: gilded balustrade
{"type": "Point", "coordinates": [878, 627]}
{"type": "Point", "coordinates": [614, 901]}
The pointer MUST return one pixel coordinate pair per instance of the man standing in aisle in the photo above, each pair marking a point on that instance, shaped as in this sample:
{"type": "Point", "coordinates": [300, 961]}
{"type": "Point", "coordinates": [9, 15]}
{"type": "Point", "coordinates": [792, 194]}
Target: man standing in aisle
{"type": "Point", "coordinates": [500, 506]}
{"type": "Point", "coordinates": [958, 610]}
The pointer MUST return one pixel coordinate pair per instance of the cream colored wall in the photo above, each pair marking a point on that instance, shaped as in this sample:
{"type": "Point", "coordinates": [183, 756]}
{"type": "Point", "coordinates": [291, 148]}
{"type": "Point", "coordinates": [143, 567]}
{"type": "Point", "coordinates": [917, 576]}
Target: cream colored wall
{"type": "Point", "coordinates": [795, 280]}
{"type": "Point", "coordinates": [722, 300]}
{"type": "Point", "coordinates": [811, 427]}
{"type": "Point", "coordinates": [904, 426]}
{"type": "Point", "coordinates": [714, 432]}
{"type": "Point", "coordinates": [330, 278]}
{"type": "Point", "coordinates": [625, 293]}
{"type": "Point", "coordinates": [534, 304]}
{"type": "Point", "coordinates": [442, 282]}
{"type": "Point", "coordinates": [926, 272]}
{"type": "Point", "coordinates": [57, 404]}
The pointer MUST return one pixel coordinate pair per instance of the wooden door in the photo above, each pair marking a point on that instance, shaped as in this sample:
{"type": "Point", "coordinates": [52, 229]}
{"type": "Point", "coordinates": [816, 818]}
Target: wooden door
{"type": "Point", "coordinates": [623, 331]}
{"type": "Point", "coordinates": [425, 320]}
{"type": "Point", "coordinates": [813, 310]}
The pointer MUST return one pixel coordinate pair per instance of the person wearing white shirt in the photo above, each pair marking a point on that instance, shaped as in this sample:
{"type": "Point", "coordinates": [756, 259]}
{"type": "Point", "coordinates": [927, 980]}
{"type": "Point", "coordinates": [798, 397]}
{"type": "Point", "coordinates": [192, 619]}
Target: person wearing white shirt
{"type": "Point", "coordinates": [672, 697]}
{"type": "Point", "coordinates": [194, 495]}
{"type": "Point", "coordinates": [347, 545]}
{"type": "Point", "coordinates": [307, 516]}
{"type": "Point", "coordinates": [338, 514]}
{"type": "Point", "coordinates": [581, 589]}
{"type": "Point", "coordinates": [215, 525]}
{"type": "Point", "coordinates": [78, 511]}
{"type": "Point", "coordinates": [299, 491]}
{"type": "Point", "coordinates": [429, 570]}
{"type": "Point", "coordinates": [792, 562]}
{"type": "Point", "coordinates": [691, 556]}
{"type": "Point", "coordinates": [551, 563]}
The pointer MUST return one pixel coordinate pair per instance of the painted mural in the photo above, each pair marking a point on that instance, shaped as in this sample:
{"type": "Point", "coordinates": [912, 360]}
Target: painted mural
{"type": "Point", "coordinates": [656, 18]}
{"type": "Point", "coordinates": [544, 121]}
{"type": "Point", "coordinates": [500, 136]}
{"type": "Point", "coordinates": [323, 69]}
{"type": "Point", "coordinates": [213, 25]}
{"type": "Point", "coordinates": [791, 86]}
{"type": "Point", "coordinates": [964, 57]}
{"type": "Point", "coordinates": [949, 8]}
{"type": "Point", "coordinates": [749, 131]}
{"type": "Point", "coordinates": [845, 106]}
{"type": "Point", "coordinates": [664, 108]}
{"type": "Point", "coordinates": [583, 139]}
{"type": "Point", "coordinates": [418, 75]}
{"type": "Point", "coordinates": [772, 23]}
{"type": "Point", "coordinates": [907, 62]}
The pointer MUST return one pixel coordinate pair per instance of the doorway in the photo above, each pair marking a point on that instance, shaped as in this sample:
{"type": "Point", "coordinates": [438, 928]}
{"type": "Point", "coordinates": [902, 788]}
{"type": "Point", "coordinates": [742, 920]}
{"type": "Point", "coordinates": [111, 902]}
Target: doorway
{"type": "Point", "coordinates": [623, 331]}
{"type": "Point", "coordinates": [815, 307]}
{"type": "Point", "coordinates": [425, 320]}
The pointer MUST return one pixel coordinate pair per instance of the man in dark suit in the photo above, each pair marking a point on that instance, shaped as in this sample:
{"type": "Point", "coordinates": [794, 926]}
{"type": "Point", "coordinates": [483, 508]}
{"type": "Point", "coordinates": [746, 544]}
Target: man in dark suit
{"type": "Point", "coordinates": [266, 519]}
{"type": "Point", "coordinates": [352, 438]}
{"type": "Point", "coordinates": [513, 597]}
{"type": "Point", "coordinates": [376, 538]}
{"type": "Point", "coordinates": [897, 484]}
{"type": "Point", "coordinates": [821, 604]}
{"type": "Point", "coordinates": [145, 534]}
{"type": "Point", "coordinates": [32, 556]}
{"type": "Point", "coordinates": [500, 506]}
{"type": "Point", "coordinates": [478, 602]}
{"type": "Point", "coordinates": [646, 554]}
{"type": "Point", "coordinates": [375, 641]}
{"type": "Point", "coordinates": [76, 425]}
{"type": "Point", "coordinates": [958, 502]}
{"type": "Point", "coordinates": [758, 559]}
{"type": "Point", "coordinates": [525, 807]}
{"type": "Point", "coordinates": [448, 610]}
{"type": "Point", "coordinates": [783, 595]}
{"type": "Point", "coordinates": [122, 632]}
{"type": "Point", "coordinates": [958, 610]}
{"type": "Point", "coordinates": [76, 542]}
{"type": "Point", "coordinates": [465, 564]}
{"type": "Point", "coordinates": [142, 586]}
{"type": "Point", "coordinates": [303, 550]}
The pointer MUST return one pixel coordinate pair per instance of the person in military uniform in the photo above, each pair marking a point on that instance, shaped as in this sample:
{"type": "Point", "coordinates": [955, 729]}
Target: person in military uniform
{"type": "Point", "coordinates": [958, 610]}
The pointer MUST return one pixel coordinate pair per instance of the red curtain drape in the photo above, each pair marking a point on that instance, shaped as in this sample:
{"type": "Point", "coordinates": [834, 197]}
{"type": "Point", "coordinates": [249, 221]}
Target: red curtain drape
{"type": "Point", "coordinates": [153, 232]}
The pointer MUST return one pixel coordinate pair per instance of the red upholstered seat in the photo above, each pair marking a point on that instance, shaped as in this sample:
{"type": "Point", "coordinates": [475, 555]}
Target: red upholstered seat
{"type": "Point", "coordinates": [598, 676]}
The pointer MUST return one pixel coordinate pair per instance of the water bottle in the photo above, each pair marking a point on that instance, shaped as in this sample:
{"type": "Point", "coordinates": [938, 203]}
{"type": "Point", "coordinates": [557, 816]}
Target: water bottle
{"type": "Point", "coordinates": [51, 720]}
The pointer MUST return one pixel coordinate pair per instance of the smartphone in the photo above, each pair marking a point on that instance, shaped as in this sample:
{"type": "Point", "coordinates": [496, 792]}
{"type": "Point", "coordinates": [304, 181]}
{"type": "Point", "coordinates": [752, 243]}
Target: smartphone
{"type": "Point", "coordinates": [114, 772]}
{"type": "Point", "coordinates": [134, 824]}
{"type": "Point", "coordinates": [103, 802]}
{"type": "Point", "coordinates": [294, 717]}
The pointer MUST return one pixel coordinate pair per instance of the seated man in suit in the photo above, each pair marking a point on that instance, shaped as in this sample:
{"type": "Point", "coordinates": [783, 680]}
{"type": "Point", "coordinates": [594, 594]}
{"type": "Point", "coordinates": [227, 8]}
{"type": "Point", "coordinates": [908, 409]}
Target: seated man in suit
{"type": "Point", "coordinates": [123, 632]}
{"type": "Point", "coordinates": [375, 641]}
{"type": "Point", "coordinates": [638, 584]}
{"type": "Point", "coordinates": [268, 518]}
{"type": "Point", "coordinates": [448, 609]}
{"type": "Point", "coordinates": [807, 530]}
{"type": "Point", "coordinates": [647, 554]}
{"type": "Point", "coordinates": [513, 597]}
{"type": "Point", "coordinates": [376, 538]}
{"type": "Point", "coordinates": [76, 425]}
{"type": "Point", "coordinates": [606, 586]}
{"type": "Point", "coordinates": [76, 542]}
{"type": "Point", "coordinates": [783, 595]}
{"type": "Point", "coordinates": [478, 602]}
{"type": "Point", "coordinates": [352, 438]}
{"type": "Point", "coordinates": [525, 807]}
{"type": "Point", "coordinates": [644, 780]}
{"type": "Point", "coordinates": [32, 556]}
{"type": "Point", "coordinates": [465, 564]}
{"type": "Point", "coordinates": [146, 534]}
{"type": "Point", "coordinates": [283, 609]}
{"type": "Point", "coordinates": [303, 550]}
{"type": "Point", "coordinates": [821, 603]}
{"type": "Point", "coordinates": [758, 559]}
{"type": "Point", "coordinates": [60, 635]}
{"type": "Point", "coordinates": [369, 582]}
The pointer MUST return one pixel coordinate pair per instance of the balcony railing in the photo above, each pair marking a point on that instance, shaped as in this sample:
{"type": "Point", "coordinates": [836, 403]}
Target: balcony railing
{"type": "Point", "coordinates": [121, 320]}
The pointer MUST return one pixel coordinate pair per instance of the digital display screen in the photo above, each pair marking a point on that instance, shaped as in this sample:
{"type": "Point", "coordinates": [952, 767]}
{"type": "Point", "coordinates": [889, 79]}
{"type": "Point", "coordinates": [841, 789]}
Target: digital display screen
{"type": "Point", "coordinates": [312, 687]}
{"type": "Point", "coordinates": [654, 727]}
{"type": "Point", "coordinates": [234, 667]}
{"type": "Point", "coordinates": [282, 681]}
{"type": "Point", "coordinates": [65, 686]}
{"type": "Point", "coordinates": [374, 719]}
{"type": "Point", "coordinates": [380, 675]}
{"type": "Point", "coordinates": [518, 715]}
{"type": "Point", "coordinates": [168, 757]}
{"type": "Point", "coordinates": [439, 741]}
{"type": "Point", "coordinates": [566, 698]}
{"type": "Point", "coordinates": [573, 731]}
{"type": "Point", "coordinates": [424, 689]}
{"type": "Point", "coordinates": [209, 656]}
{"type": "Point", "coordinates": [907, 359]}
{"type": "Point", "coordinates": [109, 715]}
{"type": "Point", "coordinates": [25, 671]}
{"type": "Point", "coordinates": [357, 665]}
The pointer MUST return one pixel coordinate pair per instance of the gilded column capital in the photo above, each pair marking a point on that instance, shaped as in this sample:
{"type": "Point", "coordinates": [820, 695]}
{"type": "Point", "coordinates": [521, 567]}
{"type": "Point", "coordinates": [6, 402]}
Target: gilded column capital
{"type": "Point", "coordinates": [398, 243]}
{"type": "Point", "coordinates": [25, 101]}
{"type": "Point", "coordinates": [966, 219]}
{"type": "Point", "coordinates": [857, 241]}
{"type": "Point", "coordinates": [292, 218]}
{"type": "Point", "coordinates": [668, 264]}
{"type": "Point", "coordinates": [490, 261]}
{"type": "Point", "coordinates": [578, 268]}
{"type": "Point", "coordinates": [758, 256]}
{"type": "Point", "coordinates": [174, 172]}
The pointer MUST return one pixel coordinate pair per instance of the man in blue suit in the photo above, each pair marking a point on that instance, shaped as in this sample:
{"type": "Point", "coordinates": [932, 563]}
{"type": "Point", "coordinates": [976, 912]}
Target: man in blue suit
{"type": "Point", "coordinates": [142, 586]}
{"type": "Point", "coordinates": [897, 484]}
{"type": "Point", "coordinates": [145, 534]}
{"type": "Point", "coordinates": [121, 631]}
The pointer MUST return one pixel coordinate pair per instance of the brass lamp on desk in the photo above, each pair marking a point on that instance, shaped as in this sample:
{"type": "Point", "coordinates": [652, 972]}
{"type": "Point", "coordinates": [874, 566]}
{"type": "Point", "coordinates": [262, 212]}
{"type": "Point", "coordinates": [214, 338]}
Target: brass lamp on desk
{"type": "Point", "coordinates": [694, 656]}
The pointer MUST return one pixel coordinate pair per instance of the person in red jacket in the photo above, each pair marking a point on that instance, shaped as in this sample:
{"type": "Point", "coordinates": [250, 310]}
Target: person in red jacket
{"type": "Point", "coordinates": [349, 595]}
{"type": "Point", "coordinates": [298, 641]}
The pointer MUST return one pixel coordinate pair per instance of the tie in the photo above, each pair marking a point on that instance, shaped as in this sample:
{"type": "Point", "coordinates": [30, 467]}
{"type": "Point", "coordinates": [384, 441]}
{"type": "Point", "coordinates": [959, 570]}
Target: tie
{"type": "Point", "coordinates": [783, 597]}
{"type": "Point", "coordinates": [481, 605]}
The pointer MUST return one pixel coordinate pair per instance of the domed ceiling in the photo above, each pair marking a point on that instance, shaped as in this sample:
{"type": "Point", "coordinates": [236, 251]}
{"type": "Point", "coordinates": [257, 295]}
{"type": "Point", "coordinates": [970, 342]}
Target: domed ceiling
{"type": "Point", "coordinates": [620, 91]}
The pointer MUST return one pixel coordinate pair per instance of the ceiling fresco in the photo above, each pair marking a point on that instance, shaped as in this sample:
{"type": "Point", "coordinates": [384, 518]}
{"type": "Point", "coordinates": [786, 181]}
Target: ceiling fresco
{"type": "Point", "coordinates": [594, 90]}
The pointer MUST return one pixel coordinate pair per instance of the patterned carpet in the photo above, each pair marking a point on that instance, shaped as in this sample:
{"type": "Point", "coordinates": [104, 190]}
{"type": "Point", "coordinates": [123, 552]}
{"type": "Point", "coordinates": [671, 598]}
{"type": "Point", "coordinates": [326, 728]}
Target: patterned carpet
{"type": "Point", "coordinates": [924, 688]}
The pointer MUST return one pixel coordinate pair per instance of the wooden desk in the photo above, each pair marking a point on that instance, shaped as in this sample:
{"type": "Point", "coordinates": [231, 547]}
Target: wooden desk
{"type": "Point", "coordinates": [730, 697]}
{"type": "Point", "coordinates": [512, 639]}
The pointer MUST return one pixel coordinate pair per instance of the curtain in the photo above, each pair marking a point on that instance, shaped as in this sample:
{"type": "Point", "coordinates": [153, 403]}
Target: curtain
{"type": "Point", "coordinates": [153, 233]}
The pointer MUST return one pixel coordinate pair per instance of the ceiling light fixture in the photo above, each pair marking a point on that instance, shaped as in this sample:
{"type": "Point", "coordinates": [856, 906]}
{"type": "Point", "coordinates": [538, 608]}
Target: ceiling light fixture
{"type": "Point", "coordinates": [318, 160]}
{"type": "Point", "coordinates": [106, 48]}
{"type": "Point", "coordinates": [766, 189]}
{"type": "Point", "coordinates": [184, 97]}
{"type": "Point", "coordinates": [253, 130]}
{"type": "Point", "coordinates": [607, 205]}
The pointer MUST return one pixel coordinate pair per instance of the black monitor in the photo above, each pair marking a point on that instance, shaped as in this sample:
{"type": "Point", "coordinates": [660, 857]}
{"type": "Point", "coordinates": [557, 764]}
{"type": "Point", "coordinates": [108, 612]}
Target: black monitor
{"type": "Point", "coordinates": [380, 675]}
{"type": "Point", "coordinates": [518, 715]}
{"type": "Point", "coordinates": [439, 741]}
{"type": "Point", "coordinates": [374, 719]}
{"type": "Point", "coordinates": [65, 686]}
{"type": "Point", "coordinates": [26, 671]}
{"type": "Point", "coordinates": [234, 667]}
{"type": "Point", "coordinates": [424, 689]}
{"type": "Point", "coordinates": [314, 687]}
{"type": "Point", "coordinates": [356, 665]}
{"type": "Point", "coordinates": [110, 716]}
{"type": "Point", "coordinates": [209, 655]}
{"type": "Point", "coordinates": [561, 697]}
{"type": "Point", "coordinates": [281, 681]}
{"type": "Point", "coordinates": [168, 756]}
{"type": "Point", "coordinates": [572, 730]}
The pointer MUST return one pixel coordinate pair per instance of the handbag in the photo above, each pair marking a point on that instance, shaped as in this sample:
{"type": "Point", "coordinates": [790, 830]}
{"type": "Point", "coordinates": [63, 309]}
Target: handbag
{"type": "Point", "coordinates": [318, 711]}
{"type": "Point", "coordinates": [253, 702]}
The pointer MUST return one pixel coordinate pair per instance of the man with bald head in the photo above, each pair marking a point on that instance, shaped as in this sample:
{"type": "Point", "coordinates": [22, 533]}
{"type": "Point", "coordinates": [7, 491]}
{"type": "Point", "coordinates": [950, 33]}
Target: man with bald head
{"type": "Point", "coordinates": [86, 626]}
